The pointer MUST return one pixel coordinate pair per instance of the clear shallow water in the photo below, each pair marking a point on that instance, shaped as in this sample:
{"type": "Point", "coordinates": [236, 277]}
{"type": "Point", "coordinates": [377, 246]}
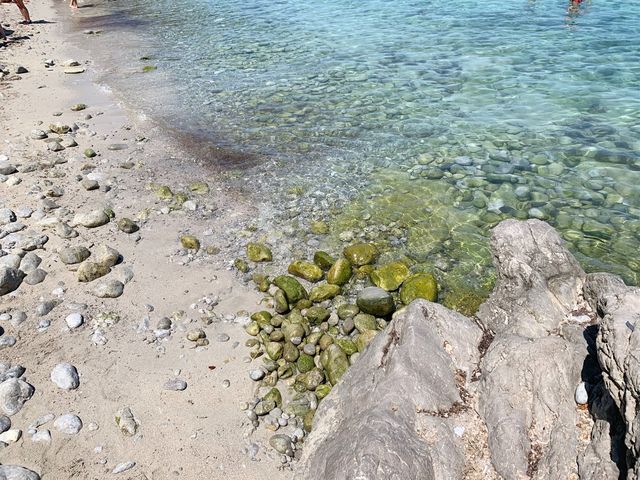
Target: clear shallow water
{"type": "Point", "coordinates": [418, 124]}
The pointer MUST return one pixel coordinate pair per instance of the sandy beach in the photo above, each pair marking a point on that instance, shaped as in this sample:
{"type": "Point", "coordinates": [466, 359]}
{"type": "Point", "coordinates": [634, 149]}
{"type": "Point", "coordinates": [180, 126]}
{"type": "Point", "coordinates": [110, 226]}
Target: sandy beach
{"type": "Point", "coordinates": [128, 347]}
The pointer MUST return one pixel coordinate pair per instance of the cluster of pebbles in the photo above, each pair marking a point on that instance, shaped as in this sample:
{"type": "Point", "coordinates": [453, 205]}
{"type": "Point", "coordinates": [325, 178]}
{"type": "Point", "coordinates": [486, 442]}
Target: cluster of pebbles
{"type": "Point", "coordinates": [321, 316]}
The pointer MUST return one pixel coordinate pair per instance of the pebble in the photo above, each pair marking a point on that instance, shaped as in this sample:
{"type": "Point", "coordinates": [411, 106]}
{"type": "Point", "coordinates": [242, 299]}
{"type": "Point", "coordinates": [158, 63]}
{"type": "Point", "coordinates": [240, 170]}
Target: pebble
{"type": "Point", "coordinates": [68, 423]}
{"type": "Point", "coordinates": [256, 375]}
{"type": "Point", "coordinates": [226, 383]}
{"type": "Point", "coordinates": [109, 289]}
{"type": "Point", "coordinates": [45, 308]}
{"type": "Point", "coordinates": [222, 337]}
{"type": "Point", "coordinates": [282, 444]}
{"type": "Point", "coordinates": [74, 320]}
{"type": "Point", "coordinates": [5, 423]}
{"type": "Point", "coordinates": [123, 467]}
{"type": "Point", "coordinates": [65, 376]}
{"type": "Point", "coordinates": [11, 436]}
{"type": "Point", "coordinates": [7, 341]}
{"type": "Point", "coordinates": [581, 395]}
{"type": "Point", "coordinates": [175, 384]}
{"type": "Point", "coordinates": [41, 436]}
{"type": "Point", "coordinates": [13, 394]}
{"type": "Point", "coordinates": [42, 420]}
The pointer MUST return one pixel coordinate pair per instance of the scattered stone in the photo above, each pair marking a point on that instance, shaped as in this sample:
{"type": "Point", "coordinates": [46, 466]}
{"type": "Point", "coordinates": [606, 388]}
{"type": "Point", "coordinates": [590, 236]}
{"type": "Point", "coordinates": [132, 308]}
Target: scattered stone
{"type": "Point", "coordinates": [106, 256]}
{"type": "Point", "coordinates": [59, 128]}
{"type": "Point", "coordinates": [90, 153]}
{"type": "Point", "coordinates": [175, 384]}
{"type": "Point", "coordinates": [376, 301]}
{"type": "Point", "coordinates": [7, 169]}
{"type": "Point", "coordinates": [11, 436]}
{"type": "Point", "coordinates": [190, 242]}
{"type": "Point", "coordinates": [13, 394]}
{"type": "Point", "coordinates": [65, 376]}
{"type": "Point", "coordinates": [10, 279]}
{"type": "Point", "coordinates": [390, 276]}
{"type": "Point", "coordinates": [73, 255]}
{"type": "Point", "coordinates": [126, 422]}
{"type": "Point", "coordinates": [257, 374]}
{"type": "Point", "coordinates": [89, 184]}
{"type": "Point", "coordinates": [14, 472]}
{"type": "Point", "coordinates": [308, 271]}
{"type": "Point", "coordinates": [7, 341]}
{"type": "Point", "coordinates": [78, 107]}
{"type": "Point", "coordinates": [93, 219]}
{"type": "Point", "coordinates": [222, 337]}
{"type": "Point", "coordinates": [5, 423]}
{"type": "Point", "coordinates": [340, 272]}
{"type": "Point", "coordinates": [282, 444]}
{"type": "Point", "coordinates": [258, 252]}
{"type": "Point", "coordinates": [361, 253]}
{"type": "Point", "coordinates": [108, 289]}
{"type": "Point", "coordinates": [41, 436]}
{"type": "Point", "coordinates": [35, 277]}
{"type": "Point", "coordinates": [90, 271]}
{"type": "Point", "coordinates": [7, 216]}
{"type": "Point", "coordinates": [38, 134]}
{"type": "Point", "coordinates": [44, 308]}
{"type": "Point", "coordinates": [68, 423]}
{"type": "Point", "coordinates": [74, 320]}
{"type": "Point", "coordinates": [123, 467]}
{"type": "Point", "coordinates": [127, 225]}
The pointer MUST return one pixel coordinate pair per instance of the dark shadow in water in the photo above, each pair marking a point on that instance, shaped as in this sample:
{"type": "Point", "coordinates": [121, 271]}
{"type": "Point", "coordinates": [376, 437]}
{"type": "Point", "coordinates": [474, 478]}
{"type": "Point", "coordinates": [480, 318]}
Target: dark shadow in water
{"type": "Point", "coordinates": [109, 21]}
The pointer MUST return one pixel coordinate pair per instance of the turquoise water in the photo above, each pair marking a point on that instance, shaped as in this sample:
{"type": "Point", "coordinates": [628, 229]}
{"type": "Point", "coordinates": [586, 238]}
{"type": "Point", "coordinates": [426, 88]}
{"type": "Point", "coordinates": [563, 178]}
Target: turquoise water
{"type": "Point", "coordinates": [416, 124]}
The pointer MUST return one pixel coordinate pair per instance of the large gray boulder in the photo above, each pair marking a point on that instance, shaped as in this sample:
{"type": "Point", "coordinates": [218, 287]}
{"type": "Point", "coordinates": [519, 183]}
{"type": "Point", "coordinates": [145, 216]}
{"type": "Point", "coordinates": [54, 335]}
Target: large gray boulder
{"type": "Point", "coordinates": [14, 472]}
{"type": "Point", "coordinates": [618, 351]}
{"type": "Point", "coordinates": [10, 279]}
{"type": "Point", "coordinates": [538, 280]}
{"type": "Point", "coordinates": [368, 426]}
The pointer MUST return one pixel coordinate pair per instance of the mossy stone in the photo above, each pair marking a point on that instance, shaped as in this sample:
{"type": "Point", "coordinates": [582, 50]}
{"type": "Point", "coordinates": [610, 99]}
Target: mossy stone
{"type": "Point", "coordinates": [314, 338]}
{"type": "Point", "coordinates": [347, 345]}
{"type": "Point", "coordinates": [421, 285]}
{"type": "Point", "coordinates": [78, 107]}
{"type": "Point", "coordinates": [305, 363]}
{"type": "Point", "coordinates": [390, 276]}
{"type": "Point", "coordinates": [322, 391]}
{"type": "Point", "coordinates": [252, 329]}
{"type": "Point", "coordinates": [190, 242]}
{"type": "Point", "coordinates": [335, 363]}
{"type": "Point", "coordinates": [304, 303]}
{"type": "Point", "coordinates": [293, 330]}
{"type": "Point", "coordinates": [307, 420]}
{"type": "Point", "coordinates": [347, 310]}
{"type": "Point", "coordinates": [277, 320]}
{"type": "Point", "coordinates": [312, 379]}
{"type": "Point", "coordinates": [90, 153]}
{"type": "Point", "coordinates": [364, 271]}
{"type": "Point", "coordinates": [319, 228]}
{"type": "Point", "coordinates": [465, 301]}
{"type": "Point", "coordinates": [290, 352]}
{"type": "Point", "coordinates": [325, 341]}
{"type": "Point", "coordinates": [323, 260]}
{"type": "Point", "coordinates": [364, 322]}
{"type": "Point", "coordinates": [276, 336]}
{"type": "Point", "coordinates": [258, 252]}
{"type": "Point", "coordinates": [340, 272]}
{"type": "Point", "coordinates": [127, 225]}
{"type": "Point", "coordinates": [149, 68]}
{"type": "Point", "coordinates": [364, 339]}
{"type": "Point", "coordinates": [286, 371]}
{"type": "Point", "coordinates": [280, 303]}
{"type": "Point", "coordinates": [199, 188]}
{"type": "Point", "coordinates": [323, 292]}
{"type": "Point", "coordinates": [361, 253]}
{"type": "Point", "coordinates": [163, 192]}
{"type": "Point", "coordinates": [274, 396]}
{"type": "Point", "coordinates": [263, 318]}
{"type": "Point", "coordinates": [291, 287]}
{"type": "Point", "coordinates": [180, 197]}
{"type": "Point", "coordinates": [317, 315]}
{"type": "Point", "coordinates": [307, 270]}
{"type": "Point", "coordinates": [241, 265]}
{"type": "Point", "coordinates": [261, 281]}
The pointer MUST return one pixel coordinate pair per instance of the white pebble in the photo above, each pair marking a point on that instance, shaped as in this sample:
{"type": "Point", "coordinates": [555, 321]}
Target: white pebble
{"type": "Point", "coordinates": [123, 467]}
{"type": "Point", "coordinates": [65, 376]}
{"type": "Point", "coordinates": [74, 320]}
{"type": "Point", "coordinates": [41, 436]}
{"type": "Point", "coordinates": [68, 423]}
{"type": "Point", "coordinates": [582, 397]}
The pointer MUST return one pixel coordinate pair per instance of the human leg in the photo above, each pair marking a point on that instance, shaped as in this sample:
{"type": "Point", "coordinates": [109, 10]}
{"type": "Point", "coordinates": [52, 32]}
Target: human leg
{"type": "Point", "coordinates": [23, 10]}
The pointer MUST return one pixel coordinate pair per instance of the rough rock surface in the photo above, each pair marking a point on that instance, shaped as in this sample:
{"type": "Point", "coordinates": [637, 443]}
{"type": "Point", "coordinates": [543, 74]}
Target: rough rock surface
{"type": "Point", "coordinates": [437, 396]}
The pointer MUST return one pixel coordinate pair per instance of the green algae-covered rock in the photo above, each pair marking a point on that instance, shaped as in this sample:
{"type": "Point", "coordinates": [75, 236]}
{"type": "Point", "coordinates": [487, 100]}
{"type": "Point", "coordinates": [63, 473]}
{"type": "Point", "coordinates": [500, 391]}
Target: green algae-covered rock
{"type": "Point", "coordinates": [305, 363]}
{"type": "Point", "coordinates": [307, 421]}
{"type": "Point", "coordinates": [290, 352]}
{"type": "Point", "coordinates": [274, 396]}
{"type": "Point", "coordinates": [390, 276]}
{"type": "Point", "coordinates": [261, 281]}
{"type": "Point", "coordinates": [298, 406]}
{"type": "Point", "coordinates": [241, 265]}
{"type": "Point", "coordinates": [375, 301]}
{"type": "Point", "coordinates": [312, 379]}
{"type": "Point", "coordinates": [90, 153]}
{"type": "Point", "coordinates": [464, 301]}
{"type": "Point", "coordinates": [335, 363]}
{"type": "Point", "coordinates": [263, 318]}
{"type": "Point", "coordinates": [190, 242]}
{"type": "Point", "coordinates": [304, 303]}
{"type": "Point", "coordinates": [314, 338]}
{"type": "Point", "coordinates": [322, 391]}
{"type": "Point", "coordinates": [274, 350]}
{"type": "Point", "coordinates": [258, 252]}
{"type": "Point", "coordinates": [361, 253]}
{"type": "Point", "coordinates": [319, 228]}
{"type": "Point", "coordinates": [325, 341]}
{"type": "Point", "coordinates": [347, 345]}
{"type": "Point", "coordinates": [199, 188]}
{"type": "Point", "coordinates": [364, 321]}
{"type": "Point", "coordinates": [179, 198]}
{"type": "Point", "coordinates": [292, 331]}
{"type": "Point", "coordinates": [323, 260]}
{"type": "Point", "coordinates": [286, 371]}
{"type": "Point", "coordinates": [323, 292]}
{"type": "Point", "coordinates": [163, 192]}
{"type": "Point", "coordinates": [149, 68]}
{"type": "Point", "coordinates": [252, 329]}
{"type": "Point", "coordinates": [291, 287]}
{"type": "Point", "coordinates": [364, 339]}
{"type": "Point", "coordinates": [78, 107]}
{"type": "Point", "coordinates": [340, 272]}
{"type": "Point", "coordinates": [347, 310]}
{"type": "Point", "coordinates": [280, 303]}
{"type": "Point", "coordinates": [306, 270]}
{"type": "Point", "coordinates": [420, 285]}
{"type": "Point", "coordinates": [317, 315]}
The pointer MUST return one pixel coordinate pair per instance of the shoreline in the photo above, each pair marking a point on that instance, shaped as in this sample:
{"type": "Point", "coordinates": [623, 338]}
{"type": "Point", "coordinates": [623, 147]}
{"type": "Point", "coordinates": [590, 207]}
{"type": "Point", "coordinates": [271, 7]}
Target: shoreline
{"type": "Point", "coordinates": [202, 429]}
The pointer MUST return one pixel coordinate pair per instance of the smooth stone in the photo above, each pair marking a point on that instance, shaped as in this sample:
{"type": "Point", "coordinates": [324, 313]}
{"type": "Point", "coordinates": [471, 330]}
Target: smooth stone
{"type": "Point", "coordinates": [126, 421]}
{"type": "Point", "coordinates": [41, 436]}
{"type": "Point", "coordinates": [7, 341]}
{"type": "Point", "coordinates": [7, 216]}
{"type": "Point", "coordinates": [190, 242]}
{"type": "Point", "coordinates": [68, 423]}
{"type": "Point", "coordinates": [127, 225]}
{"type": "Point", "coordinates": [73, 255]}
{"type": "Point", "coordinates": [93, 219]}
{"type": "Point", "coordinates": [292, 288]}
{"type": "Point", "coordinates": [74, 320]}
{"type": "Point", "coordinates": [282, 444]}
{"type": "Point", "coordinates": [222, 337]}
{"type": "Point", "coordinates": [123, 467]}
{"type": "Point", "coordinates": [90, 271]}
{"type": "Point", "coordinates": [5, 423]}
{"type": "Point", "coordinates": [11, 436]}
{"type": "Point", "coordinates": [390, 276]}
{"type": "Point", "coordinates": [105, 256]}
{"type": "Point", "coordinates": [65, 376]}
{"type": "Point", "coordinates": [307, 270]}
{"type": "Point", "coordinates": [13, 394]}
{"type": "Point", "coordinates": [323, 292]}
{"type": "Point", "coordinates": [340, 272]}
{"type": "Point", "coordinates": [38, 134]}
{"type": "Point", "coordinates": [375, 301]}
{"type": "Point", "coordinates": [35, 277]}
{"type": "Point", "coordinates": [323, 260]}
{"type": "Point", "coordinates": [108, 289]}
{"type": "Point", "coordinates": [175, 384]}
{"type": "Point", "coordinates": [421, 285]}
{"type": "Point", "coordinates": [89, 185]}
{"type": "Point", "coordinates": [256, 375]}
{"type": "Point", "coordinates": [44, 308]}
{"type": "Point", "coordinates": [10, 279]}
{"type": "Point", "coordinates": [581, 395]}
{"type": "Point", "coordinates": [361, 253]}
{"type": "Point", "coordinates": [259, 252]}
{"type": "Point", "coordinates": [14, 472]}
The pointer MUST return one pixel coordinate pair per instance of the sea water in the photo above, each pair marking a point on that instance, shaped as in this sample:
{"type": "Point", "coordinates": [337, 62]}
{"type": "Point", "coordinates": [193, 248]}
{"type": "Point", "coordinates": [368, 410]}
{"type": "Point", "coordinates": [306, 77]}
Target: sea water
{"type": "Point", "coordinates": [417, 124]}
